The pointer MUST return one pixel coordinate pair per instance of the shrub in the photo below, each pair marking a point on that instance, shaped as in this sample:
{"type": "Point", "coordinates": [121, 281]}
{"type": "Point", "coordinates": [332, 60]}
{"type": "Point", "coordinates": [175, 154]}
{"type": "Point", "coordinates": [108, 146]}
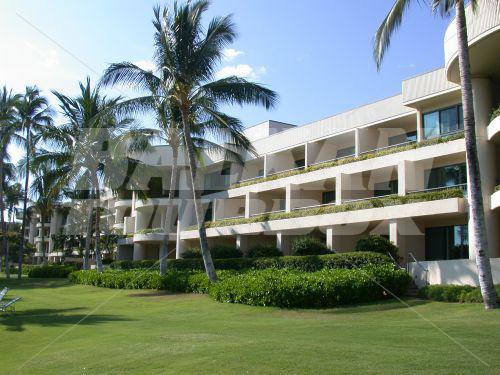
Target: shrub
{"type": "Point", "coordinates": [325, 288]}
{"type": "Point", "coordinates": [495, 113]}
{"type": "Point", "coordinates": [49, 271]}
{"type": "Point", "coordinates": [220, 264]}
{"type": "Point", "coordinates": [107, 261]}
{"type": "Point", "coordinates": [453, 293]}
{"type": "Point", "coordinates": [192, 253]}
{"type": "Point", "coordinates": [225, 252]}
{"type": "Point", "coordinates": [377, 244]}
{"type": "Point", "coordinates": [192, 281]}
{"type": "Point", "coordinates": [134, 264]}
{"type": "Point", "coordinates": [261, 251]}
{"type": "Point", "coordinates": [132, 279]}
{"type": "Point", "coordinates": [308, 246]}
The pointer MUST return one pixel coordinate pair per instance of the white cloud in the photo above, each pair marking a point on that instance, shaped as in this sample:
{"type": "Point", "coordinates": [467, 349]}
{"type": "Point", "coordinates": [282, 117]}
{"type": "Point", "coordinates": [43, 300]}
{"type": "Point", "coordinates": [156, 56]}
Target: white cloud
{"type": "Point", "coordinates": [146, 65]}
{"type": "Point", "coordinates": [230, 54]}
{"type": "Point", "coordinates": [241, 70]}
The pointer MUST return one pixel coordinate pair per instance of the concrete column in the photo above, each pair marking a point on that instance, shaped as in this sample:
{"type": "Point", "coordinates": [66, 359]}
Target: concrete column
{"type": "Point", "coordinates": [330, 239]}
{"type": "Point", "coordinates": [248, 203]}
{"type": "Point", "coordinates": [342, 188]}
{"type": "Point", "coordinates": [242, 243]}
{"type": "Point", "coordinates": [482, 93]}
{"type": "Point", "coordinates": [283, 243]}
{"type": "Point", "coordinates": [214, 210]}
{"type": "Point", "coordinates": [265, 165]}
{"type": "Point", "coordinates": [357, 142]}
{"type": "Point", "coordinates": [139, 251]}
{"type": "Point", "coordinates": [420, 128]}
{"type": "Point", "coordinates": [407, 236]}
{"type": "Point", "coordinates": [291, 197]}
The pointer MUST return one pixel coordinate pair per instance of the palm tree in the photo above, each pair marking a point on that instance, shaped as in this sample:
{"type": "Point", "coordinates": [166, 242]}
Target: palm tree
{"type": "Point", "coordinates": [8, 135]}
{"type": "Point", "coordinates": [188, 56]}
{"type": "Point", "coordinates": [34, 113]}
{"type": "Point", "coordinates": [45, 192]}
{"type": "Point", "coordinates": [381, 44]}
{"type": "Point", "coordinates": [82, 149]}
{"type": "Point", "coordinates": [13, 195]}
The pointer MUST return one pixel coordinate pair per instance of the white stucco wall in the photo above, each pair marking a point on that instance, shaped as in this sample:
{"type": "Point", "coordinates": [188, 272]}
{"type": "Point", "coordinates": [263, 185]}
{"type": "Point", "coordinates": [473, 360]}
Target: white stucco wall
{"type": "Point", "coordinates": [459, 272]}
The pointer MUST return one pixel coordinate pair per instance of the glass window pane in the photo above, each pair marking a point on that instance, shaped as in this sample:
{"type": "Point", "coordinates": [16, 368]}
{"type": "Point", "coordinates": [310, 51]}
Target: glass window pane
{"type": "Point", "coordinates": [431, 125]}
{"type": "Point", "coordinates": [449, 120]}
{"type": "Point", "coordinates": [348, 151]}
{"type": "Point", "coordinates": [460, 117]}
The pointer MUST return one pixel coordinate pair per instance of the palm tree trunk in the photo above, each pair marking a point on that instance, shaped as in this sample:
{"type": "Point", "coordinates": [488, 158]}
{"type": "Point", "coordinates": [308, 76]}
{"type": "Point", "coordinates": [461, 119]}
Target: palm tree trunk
{"type": "Point", "coordinates": [25, 202]}
{"type": "Point", "coordinates": [200, 217]}
{"type": "Point", "coordinates": [44, 254]}
{"type": "Point", "coordinates": [169, 212]}
{"type": "Point", "coordinates": [476, 198]}
{"type": "Point", "coordinates": [88, 237]}
{"type": "Point", "coordinates": [2, 219]}
{"type": "Point", "coordinates": [98, 256]}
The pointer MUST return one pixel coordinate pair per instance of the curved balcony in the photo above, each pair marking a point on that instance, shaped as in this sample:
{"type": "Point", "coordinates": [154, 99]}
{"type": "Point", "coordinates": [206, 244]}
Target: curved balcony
{"type": "Point", "coordinates": [483, 29]}
{"type": "Point", "coordinates": [495, 199]}
{"type": "Point", "coordinates": [39, 239]}
{"type": "Point", "coordinates": [494, 130]}
{"type": "Point", "coordinates": [123, 203]}
{"type": "Point", "coordinates": [155, 236]}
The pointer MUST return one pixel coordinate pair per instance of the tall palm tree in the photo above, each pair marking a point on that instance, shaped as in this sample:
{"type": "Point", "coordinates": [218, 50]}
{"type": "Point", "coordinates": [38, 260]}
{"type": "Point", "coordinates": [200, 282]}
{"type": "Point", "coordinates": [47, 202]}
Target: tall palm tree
{"type": "Point", "coordinates": [188, 56]}
{"type": "Point", "coordinates": [8, 135]}
{"type": "Point", "coordinates": [381, 43]}
{"type": "Point", "coordinates": [45, 192]}
{"type": "Point", "coordinates": [82, 149]}
{"type": "Point", "coordinates": [34, 113]}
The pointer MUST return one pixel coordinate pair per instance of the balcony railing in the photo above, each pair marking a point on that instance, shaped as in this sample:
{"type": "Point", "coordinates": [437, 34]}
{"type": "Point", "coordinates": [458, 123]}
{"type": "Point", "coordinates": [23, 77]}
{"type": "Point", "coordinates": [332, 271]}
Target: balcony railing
{"type": "Point", "coordinates": [463, 187]}
{"type": "Point", "coordinates": [387, 147]}
{"type": "Point", "coordinates": [268, 212]}
{"type": "Point", "coordinates": [332, 160]}
{"type": "Point", "coordinates": [286, 170]}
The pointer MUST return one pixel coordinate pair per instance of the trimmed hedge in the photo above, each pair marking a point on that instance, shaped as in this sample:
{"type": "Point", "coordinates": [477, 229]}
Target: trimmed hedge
{"type": "Point", "coordinates": [377, 244]}
{"type": "Point", "coordinates": [225, 252]}
{"type": "Point", "coordinates": [49, 271]}
{"type": "Point", "coordinates": [351, 159]}
{"type": "Point", "coordinates": [309, 246]}
{"type": "Point", "coordinates": [325, 288]}
{"type": "Point", "coordinates": [453, 293]}
{"type": "Point", "coordinates": [386, 201]}
{"type": "Point", "coordinates": [264, 251]}
{"type": "Point", "coordinates": [131, 279]}
{"type": "Point", "coordinates": [303, 263]}
{"type": "Point", "coordinates": [134, 264]}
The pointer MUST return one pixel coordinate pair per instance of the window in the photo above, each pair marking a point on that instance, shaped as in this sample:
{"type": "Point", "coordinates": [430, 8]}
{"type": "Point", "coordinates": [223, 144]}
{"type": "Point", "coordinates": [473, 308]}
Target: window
{"type": "Point", "coordinates": [343, 152]}
{"type": "Point", "coordinates": [328, 197]}
{"type": "Point", "coordinates": [385, 188]}
{"type": "Point", "coordinates": [209, 212]}
{"type": "Point", "coordinates": [450, 175]}
{"type": "Point", "coordinates": [450, 242]}
{"type": "Point", "coordinates": [443, 121]}
{"type": "Point", "coordinates": [402, 138]}
{"type": "Point", "coordinates": [300, 163]}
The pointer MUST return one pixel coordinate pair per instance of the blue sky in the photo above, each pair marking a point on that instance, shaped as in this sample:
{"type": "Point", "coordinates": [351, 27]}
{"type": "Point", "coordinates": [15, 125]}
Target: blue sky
{"type": "Point", "coordinates": [316, 54]}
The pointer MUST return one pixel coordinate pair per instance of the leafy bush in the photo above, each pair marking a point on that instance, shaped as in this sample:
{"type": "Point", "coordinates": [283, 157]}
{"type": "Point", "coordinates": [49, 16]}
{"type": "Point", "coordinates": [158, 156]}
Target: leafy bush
{"type": "Point", "coordinates": [192, 253]}
{"type": "Point", "coordinates": [453, 293]}
{"type": "Point", "coordinates": [132, 279]}
{"type": "Point", "coordinates": [325, 288]}
{"type": "Point", "coordinates": [304, 263]}
{"type": "Point", "coordinates": [50, 271]}
{"type": "Point", "coordinates": [261, 251]}
{"type": "Point", "coordinates": [377, 244]}
{"type": "Point", "coordinates": [225, 252]}
{"type": "Point", "coordinates": [133, 264]}
{"type": "Point", "coordinates": [308, 246]}
{"type": "Point", "coordinates": [192, 281]}
{"type": "Point", "coordinates": [107, 261]}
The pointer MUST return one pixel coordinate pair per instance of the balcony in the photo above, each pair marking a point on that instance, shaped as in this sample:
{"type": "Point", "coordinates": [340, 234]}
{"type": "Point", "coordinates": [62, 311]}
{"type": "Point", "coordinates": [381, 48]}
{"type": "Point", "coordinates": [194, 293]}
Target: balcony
{"type": "Point", "coordinates": [494, 130]}
{"type": "Point", "coordinates": [495, 199]}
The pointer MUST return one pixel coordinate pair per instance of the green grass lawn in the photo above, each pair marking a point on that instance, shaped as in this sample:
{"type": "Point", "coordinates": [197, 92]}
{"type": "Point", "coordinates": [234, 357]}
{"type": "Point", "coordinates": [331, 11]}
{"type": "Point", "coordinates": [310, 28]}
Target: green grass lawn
{"type": "Point", "coordinates": [150, 332]}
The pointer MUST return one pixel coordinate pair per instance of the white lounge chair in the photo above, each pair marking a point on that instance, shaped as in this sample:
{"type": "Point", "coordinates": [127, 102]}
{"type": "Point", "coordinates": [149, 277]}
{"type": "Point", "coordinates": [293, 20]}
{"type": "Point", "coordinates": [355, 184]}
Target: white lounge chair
{"type": "Point", "coordinates": [9, 306]}
{"type": "Point", "coordinates": [3, 293]}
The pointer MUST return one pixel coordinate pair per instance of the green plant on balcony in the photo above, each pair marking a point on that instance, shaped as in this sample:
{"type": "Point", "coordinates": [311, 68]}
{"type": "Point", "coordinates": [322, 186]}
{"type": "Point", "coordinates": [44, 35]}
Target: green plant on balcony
{"type": "Point", "coordinates": [150, 231]}
{"type": "Point", "coordinates": [386, 201]}
{"type": "Point", "coordinates": [352, 159]}
{"type": "Point", "coordinates": [495, 113]}
{"type": "Point", "coordinates": [497, 188]}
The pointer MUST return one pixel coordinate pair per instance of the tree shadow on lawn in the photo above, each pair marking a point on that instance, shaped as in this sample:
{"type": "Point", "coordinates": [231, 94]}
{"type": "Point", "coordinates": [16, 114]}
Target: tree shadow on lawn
{"type": "Point", "coordinates": [371, 307]}
{"type": "Point", "coordinates": [25, 283]}
{"type": "Point", "coordinates": [16, 321]}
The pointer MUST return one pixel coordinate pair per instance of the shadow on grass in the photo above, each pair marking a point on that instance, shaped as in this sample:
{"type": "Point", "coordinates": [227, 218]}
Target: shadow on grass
{"type": "Point", "coordinates": [53, 318]}
{"type": "Point", "coordinates": [370, 307]}
{"type": "Point", "coordinates": [25, 283]}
